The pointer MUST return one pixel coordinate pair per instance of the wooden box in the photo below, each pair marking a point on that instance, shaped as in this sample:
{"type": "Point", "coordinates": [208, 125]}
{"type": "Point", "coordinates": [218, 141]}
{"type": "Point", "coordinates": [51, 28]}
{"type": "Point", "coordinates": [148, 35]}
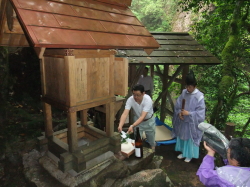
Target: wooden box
{"type": "Point", "coordinates": [83, 76]}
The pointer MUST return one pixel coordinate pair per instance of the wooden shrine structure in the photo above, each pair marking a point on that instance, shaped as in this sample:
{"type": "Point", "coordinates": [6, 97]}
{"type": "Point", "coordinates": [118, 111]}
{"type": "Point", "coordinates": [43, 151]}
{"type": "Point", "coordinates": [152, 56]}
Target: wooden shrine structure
{"type": "Point", "coordinates": [87, 49]}
{"type": "Point", "coordinates": [75, 41]}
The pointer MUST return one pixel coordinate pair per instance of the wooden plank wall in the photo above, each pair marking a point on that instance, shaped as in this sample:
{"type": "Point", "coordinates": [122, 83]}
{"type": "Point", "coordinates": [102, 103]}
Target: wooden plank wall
{"type": "Point", "coordinates": [92, 81]}
{"type": "Point", "coordinates": [121, 76]}
{"type": "Point", "coordinates": [55, 79]}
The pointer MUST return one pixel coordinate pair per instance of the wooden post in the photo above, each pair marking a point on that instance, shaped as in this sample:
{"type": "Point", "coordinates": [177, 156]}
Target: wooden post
{"type": "Point", "coordinates": [164, 97]}
{"type": "Point", "coordinates": [48, 120]}
{"type": "Point", "coordinates": [46, 106]}
{"type": "Point", "coordinates": [110, 118]}
{"type": "Point", "coordinates": [72, 131]}
{"type": "Point", "coordinates": [70, 87]}
{"type": "Point", "coordinates": [152, 71]}
{"type": "Point", "coordinates": [229, 130]}
{"type": "Point", "coordinates": [84, 117]}
{"type": "Point", "coordinates": [184, 74]}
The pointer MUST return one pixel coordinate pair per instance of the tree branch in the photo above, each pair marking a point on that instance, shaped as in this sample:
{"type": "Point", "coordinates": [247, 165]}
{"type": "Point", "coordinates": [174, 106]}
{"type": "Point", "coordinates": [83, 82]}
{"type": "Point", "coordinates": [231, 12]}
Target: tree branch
{"type": "Point", "coordinates": [241, 94]}
{"type": "Point", "coordinates": [245, 128]}
{"type": "Point", "coordinates": [244, 18]}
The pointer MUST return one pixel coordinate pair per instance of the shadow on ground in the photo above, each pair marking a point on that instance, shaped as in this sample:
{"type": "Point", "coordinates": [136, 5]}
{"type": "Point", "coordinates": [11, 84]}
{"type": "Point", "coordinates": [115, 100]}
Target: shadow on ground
{"type": "Point", "coordinates": [181, 174]}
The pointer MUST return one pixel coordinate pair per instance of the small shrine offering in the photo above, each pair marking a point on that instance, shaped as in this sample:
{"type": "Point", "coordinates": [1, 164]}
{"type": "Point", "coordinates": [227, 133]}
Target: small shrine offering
{"type": "Point", "coordinates": [127, 145]}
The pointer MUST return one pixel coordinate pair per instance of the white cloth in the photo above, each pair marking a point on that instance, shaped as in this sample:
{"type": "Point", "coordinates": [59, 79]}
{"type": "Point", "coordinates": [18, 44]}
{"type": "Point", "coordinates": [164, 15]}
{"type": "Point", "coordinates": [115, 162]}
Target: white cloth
{"type": "Point", "coordinates": [147, 82]}
{"type": "Point", "coordinates": [146, 106]}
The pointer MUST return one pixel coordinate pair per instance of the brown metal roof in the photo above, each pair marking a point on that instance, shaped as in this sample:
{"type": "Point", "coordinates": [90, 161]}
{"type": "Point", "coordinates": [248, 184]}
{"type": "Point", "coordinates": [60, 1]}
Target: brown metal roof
{"type": "Point", "coordinates": [176, 48]}
{"type": "Point", "coordinates": [87, 24]}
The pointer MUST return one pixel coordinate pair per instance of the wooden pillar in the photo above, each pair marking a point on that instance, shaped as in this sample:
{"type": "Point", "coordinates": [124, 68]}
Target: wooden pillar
{"type": "Point", "coordinates": [152, 71]}
{"type": "Point", "coordinates": [48, 120]}
{"type": "Point", "coordinates": [84, 117]}
{"type": "Point", "coordinates": [70, 88]}
{"type": "Point", "coordinates": [229, 130]}
{"type": "Point", "coordinates": [184, 74]}
{"type": "Point", "coordinates": [164, 97]}
{"type": "Point", "coordinates": [72, 131]}
{"type": "Point", "coordinates": [110, 118]}
{"type": "Point", "coordinates": [46, 107]}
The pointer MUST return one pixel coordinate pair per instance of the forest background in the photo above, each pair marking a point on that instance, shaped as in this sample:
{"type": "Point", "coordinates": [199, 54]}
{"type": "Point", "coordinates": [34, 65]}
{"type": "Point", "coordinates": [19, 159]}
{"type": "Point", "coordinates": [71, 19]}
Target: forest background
{"type": "Point", "coordinates": [222, 27]}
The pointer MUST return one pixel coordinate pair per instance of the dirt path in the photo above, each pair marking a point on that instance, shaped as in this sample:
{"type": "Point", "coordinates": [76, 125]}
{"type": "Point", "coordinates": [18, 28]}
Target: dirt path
{"type": "Point", "coordinates": [181, 174]}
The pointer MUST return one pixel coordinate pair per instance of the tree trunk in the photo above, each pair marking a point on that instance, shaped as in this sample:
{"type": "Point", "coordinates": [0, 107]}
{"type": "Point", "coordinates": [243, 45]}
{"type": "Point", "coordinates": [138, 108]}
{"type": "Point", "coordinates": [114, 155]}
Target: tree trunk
{"type": "Point", "coordinates": [227, 85]}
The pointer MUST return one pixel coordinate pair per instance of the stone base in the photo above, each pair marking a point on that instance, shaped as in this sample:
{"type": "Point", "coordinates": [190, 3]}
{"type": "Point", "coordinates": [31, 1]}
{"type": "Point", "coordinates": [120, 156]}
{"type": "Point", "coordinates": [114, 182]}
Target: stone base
{"type": "Point", "coordinates": [71, 178]}
{"type": "Point", "coordinates": [112, 171]}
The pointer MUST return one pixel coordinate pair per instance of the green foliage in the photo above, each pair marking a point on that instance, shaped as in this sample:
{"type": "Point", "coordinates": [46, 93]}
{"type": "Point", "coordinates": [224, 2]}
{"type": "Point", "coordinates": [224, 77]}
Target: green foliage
{"type": "Point", "coordinates": [224, 86]}
{"type": "Point", "coordinates": [152, 14]}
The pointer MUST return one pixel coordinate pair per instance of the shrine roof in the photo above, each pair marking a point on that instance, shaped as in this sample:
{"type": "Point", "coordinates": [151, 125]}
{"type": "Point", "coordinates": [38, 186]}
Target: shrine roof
{"type": "Point", "coordinates": [175, 48]}
{"type": "Point", "coordinates": [85, 24]}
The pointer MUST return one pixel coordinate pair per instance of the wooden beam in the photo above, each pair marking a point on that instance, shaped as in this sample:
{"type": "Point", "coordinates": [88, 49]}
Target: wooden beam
{"type": "Point", "coordinates": [184, 74]}
{"type": "Point", "coordinates": [172, 36]}
{"type": "Point", "coordinates": [164, 96]}
{"type": "Point", "coordinates": [42, 74]}
{"type": "Point", "coordinates": [72, 132]}
{"type": "Point", "coordinates": [179, 69]}
{"type": "Point", "coordinates": [9, 15]}
{"type": "Point", "coordinates": [170, 100]}
{"type": "Point", "coordinates": [84, 116]}
{"type": "Point", "coordinates": [178, 42]}
{"type": "Point", "coordinates": [174, 60]}
{"type": "Point", "coordinates": [169, 112]}
{"type": "Point", "coordinates": [48, 119]}
{"type": "Point", "coordinates": [2, 16]}
{"type": "Point", "coordinates": [152, 71]}
{"type": "Point", "coordinates": [39, 51]}
{"type": "Point", "coordinates": [79, 53]}
{"type": "Point", "coordinates": [169, 53]}
{"type": "Point", "coordinates": [80, 106]}
{"type": "Point", "coordinates": [56, 146]}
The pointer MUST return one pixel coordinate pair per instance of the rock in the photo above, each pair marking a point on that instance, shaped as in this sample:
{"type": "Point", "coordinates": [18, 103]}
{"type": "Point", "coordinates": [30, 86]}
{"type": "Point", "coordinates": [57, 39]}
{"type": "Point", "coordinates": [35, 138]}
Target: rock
{"type": "Point", "coordinates": [34, 172]}
{"type": "Point", "coordinates": [145, 178]}
{"type": "Point", "coordinates": [156, 162]}
{"type": "Point", "coordinates": [137, 164]}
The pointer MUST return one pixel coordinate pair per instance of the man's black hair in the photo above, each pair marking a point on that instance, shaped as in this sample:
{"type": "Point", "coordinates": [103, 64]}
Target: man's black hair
{"type": "Point", "coordinates": [138, 87]}
{"type": "Point", "coordinates": [190, 79]}
{"type": "Point", "coordinates": [240, 151]}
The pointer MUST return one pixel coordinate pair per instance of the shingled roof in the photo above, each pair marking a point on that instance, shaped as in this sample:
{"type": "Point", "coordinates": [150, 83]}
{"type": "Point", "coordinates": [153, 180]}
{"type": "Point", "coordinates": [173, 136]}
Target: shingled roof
{"type": "Point", "coordinates": [86, 24]}
{"type": "Point", "coordinates": [175, 48]}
